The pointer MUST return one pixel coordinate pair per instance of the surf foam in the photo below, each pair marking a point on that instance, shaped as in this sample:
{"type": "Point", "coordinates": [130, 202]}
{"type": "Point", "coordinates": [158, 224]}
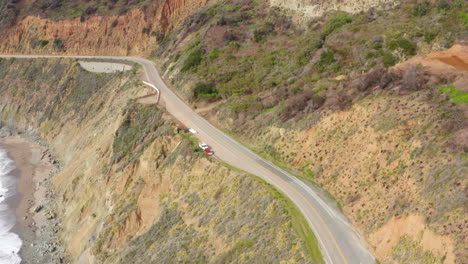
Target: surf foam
{"type": "Point", "coordinates": [10, 243]}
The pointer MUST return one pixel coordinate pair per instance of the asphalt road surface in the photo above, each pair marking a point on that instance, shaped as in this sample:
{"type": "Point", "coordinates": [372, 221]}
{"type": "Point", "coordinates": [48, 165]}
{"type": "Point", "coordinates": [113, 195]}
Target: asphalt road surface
{"type": "Point", "coordinates": [338, 240]}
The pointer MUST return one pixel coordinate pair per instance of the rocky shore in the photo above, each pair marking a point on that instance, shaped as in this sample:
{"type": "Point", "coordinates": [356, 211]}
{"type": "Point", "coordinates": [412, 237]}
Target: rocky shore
{"type": "Point", "coordinates": [38, 223]}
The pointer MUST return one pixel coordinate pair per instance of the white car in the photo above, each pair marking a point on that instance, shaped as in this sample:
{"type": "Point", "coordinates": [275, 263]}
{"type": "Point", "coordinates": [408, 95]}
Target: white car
{"type": "Point", "coordinates": [191, 130]}
{"type": "Point", "coordinates": [203, 146]}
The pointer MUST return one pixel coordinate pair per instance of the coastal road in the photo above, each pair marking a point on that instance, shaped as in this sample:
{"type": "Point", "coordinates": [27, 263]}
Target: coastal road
{"type": "Point", "coordinates": [338, 240]}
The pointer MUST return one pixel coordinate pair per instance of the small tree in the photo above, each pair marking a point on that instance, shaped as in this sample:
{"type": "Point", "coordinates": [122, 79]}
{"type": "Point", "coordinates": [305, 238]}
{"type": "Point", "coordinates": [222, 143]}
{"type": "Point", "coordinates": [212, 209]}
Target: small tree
{"type": "Point", "coordinates": [58, 44]}
{"type": "Point", "coordinates": [193, 60]}
{"type": "Point", "coordinates": [205, 90]}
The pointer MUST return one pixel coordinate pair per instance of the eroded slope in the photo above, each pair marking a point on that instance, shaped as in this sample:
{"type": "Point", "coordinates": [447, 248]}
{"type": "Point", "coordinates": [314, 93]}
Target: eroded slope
{"type": "Point", "coordinates": [131, 188]}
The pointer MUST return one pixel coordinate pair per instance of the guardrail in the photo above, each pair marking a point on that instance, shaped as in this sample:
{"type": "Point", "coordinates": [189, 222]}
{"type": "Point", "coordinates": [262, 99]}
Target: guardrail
{"type": "Point", "coordinates": [154, 87]}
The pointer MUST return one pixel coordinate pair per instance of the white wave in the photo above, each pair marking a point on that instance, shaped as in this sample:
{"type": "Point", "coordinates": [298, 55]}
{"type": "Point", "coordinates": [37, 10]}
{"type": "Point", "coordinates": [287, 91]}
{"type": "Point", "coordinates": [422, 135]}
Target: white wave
{"type": "Point", "coordinates": [10, 243]}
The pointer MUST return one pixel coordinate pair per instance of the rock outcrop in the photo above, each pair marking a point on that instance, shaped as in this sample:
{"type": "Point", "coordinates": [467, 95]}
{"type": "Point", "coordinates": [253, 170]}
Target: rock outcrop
{"type": "Point", "coordinates": [136, 32]}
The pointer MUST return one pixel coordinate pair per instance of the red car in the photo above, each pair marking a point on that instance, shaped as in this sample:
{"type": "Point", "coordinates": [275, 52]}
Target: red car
{"type": "Point", "coordinates": [208, 151]}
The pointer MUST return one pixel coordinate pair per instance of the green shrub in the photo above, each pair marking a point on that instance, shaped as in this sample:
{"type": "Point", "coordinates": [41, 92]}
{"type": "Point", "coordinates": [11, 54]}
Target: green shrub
{"type": "Point", "coordinates": [236, 250]}
{"type": "Point", "coordinates": [335, 23]}
{"type": "Point", "coordinates": [388, 59]}
{"type": "Point", "coordinates": [214, 54]}
{"type": "Point", "coordinates": [260, 33]}
{"type": "Point", "coordinates": [303, 59]}
{"type": "Point", "coordinates": [230, 8]}
{"type": "Point", "coordinates": [463, 18]}
{"type": "Point", "coordinates": [408, 47]}
{"type": "Point", "coordinates": [158, 35]}
{"type": "Point", "coordinates": [430, 35]}
{"type": "Point", "coordinates": [377, 46]}
{"type": "Point", "coordinates": [58, 44]}
{"type": "Point", "coordinates": [193, 60]}
{"type": "Point", "coordinates": [456, 95]}
{"type": "Point", "coordinates": [443, 4]}
{"type": "Point", "coordinates": [326, 59]}
{"type": "Point", "coordinates": [371, 54]}
{"type": "Point", "coordinates": [421, 9]}
{"type": "Point", "coordinates": [43, 43]}
{"type": "Point", "coordinates": [204, 90]}
{"type": "Point", "coordinates": [415, 153]}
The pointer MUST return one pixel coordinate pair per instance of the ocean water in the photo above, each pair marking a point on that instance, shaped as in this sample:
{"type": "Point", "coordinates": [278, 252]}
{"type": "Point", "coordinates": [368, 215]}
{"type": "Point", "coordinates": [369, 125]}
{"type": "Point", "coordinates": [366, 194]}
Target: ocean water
{"type": "Point", "coordinates": [10, 243]}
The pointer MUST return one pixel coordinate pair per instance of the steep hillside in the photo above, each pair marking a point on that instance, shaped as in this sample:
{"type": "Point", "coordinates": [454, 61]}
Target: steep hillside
{"type": "Point", "coordinates": [389, 143]}
{"type": "Point", "coordinates": [133, 190]}
{"type": "Point", "coordinates": [238, 50]}
{"type": "Point", "coordinates": [130, 27]}
{"type": "Point", "coordinates": [366, 99]}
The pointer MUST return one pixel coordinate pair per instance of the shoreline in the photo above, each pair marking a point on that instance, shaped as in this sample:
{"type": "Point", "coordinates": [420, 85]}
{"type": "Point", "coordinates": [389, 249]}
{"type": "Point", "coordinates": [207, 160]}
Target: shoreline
{"type": "Point", "coordinates": [34, 166]}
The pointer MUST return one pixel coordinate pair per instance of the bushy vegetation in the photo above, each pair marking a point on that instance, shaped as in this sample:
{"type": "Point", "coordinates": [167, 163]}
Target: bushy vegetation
{"type": "Point", "coordinates": [204, 90]}
{"type": "Point", "coordinates": [141, 125]}
{"type": "Point", "coordinates": [279, 85]}
{"type": "Point", "coordinates": [454, 94]}
{"type": "Point", "coordinates": [263, 52]}
{"type": "Point", "coordinates": [408, 47]}
{"type": "Point", "coordinates": [327, 58]}
{"type": "Point", "coordinates": [82, 92]}
{"type": "Point", "coordinates": [334, 23]}
{"type": "Point", "coordinates": [408, 251]}
{"type": "Point", "coordinates": [421, 8]}
{"type": "Point", "coordinates": [58, 44]}
{"type": "Point", "coordinates": [193, 60]}
{"type": "Point", "coordinates": [43, 43]}
{"type": "Point", "coordinates": [262, 31]}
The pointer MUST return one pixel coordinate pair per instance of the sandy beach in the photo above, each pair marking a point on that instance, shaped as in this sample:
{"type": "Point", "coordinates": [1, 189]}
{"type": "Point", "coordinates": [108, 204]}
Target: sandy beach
{"type": "Point", "coordinates": [33, 165]}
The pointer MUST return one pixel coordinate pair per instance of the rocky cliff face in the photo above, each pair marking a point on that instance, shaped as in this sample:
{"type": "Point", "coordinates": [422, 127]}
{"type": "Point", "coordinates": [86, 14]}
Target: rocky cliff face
{"type": "Point", "coordinates": [131, 188]}
{"type": "Point", "coordinates": [136, 32]}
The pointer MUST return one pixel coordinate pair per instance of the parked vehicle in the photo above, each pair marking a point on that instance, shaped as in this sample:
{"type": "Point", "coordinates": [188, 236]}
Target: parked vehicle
{"type": "Point", "coordinates": [191, 130]}
{"type": "Point", "coordinates": [206, 148]}
{"type": "Point", "coordinates": [208, 152]}
{"type": "Point", "coordinates": [203, 146]}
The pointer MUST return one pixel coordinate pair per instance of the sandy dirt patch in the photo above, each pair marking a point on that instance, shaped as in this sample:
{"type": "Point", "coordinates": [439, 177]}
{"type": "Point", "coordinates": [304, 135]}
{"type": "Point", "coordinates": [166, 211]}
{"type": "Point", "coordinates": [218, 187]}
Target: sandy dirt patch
{"type": "Point", "coordinates": [148, 99]}
{"type": "Point", "coordinates": [453, 59]}
{"type": "Point", "coordinates": [388, 236]}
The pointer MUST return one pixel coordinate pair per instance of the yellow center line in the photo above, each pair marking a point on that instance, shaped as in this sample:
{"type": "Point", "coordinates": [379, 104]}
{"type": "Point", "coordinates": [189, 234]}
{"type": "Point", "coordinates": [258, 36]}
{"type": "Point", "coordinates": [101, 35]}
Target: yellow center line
{"type": "Point", "coordinates": [313, 209]}
{"type": "Point", "coordinates": [301, 195]}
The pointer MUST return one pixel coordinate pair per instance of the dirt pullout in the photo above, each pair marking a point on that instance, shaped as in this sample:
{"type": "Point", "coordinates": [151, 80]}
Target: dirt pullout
{"type": "Point", "coordinates": [104, 67]}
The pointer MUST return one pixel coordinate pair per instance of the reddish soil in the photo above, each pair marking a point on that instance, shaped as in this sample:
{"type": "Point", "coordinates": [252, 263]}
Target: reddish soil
{"type": "Point", "coordinates": [448, 61]}
{"type": "Point", "coordinates": [455, 62]}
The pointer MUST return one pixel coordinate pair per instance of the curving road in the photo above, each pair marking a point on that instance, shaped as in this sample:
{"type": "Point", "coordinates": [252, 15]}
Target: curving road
{"type": "Point", "coordinates": [339, 242]}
